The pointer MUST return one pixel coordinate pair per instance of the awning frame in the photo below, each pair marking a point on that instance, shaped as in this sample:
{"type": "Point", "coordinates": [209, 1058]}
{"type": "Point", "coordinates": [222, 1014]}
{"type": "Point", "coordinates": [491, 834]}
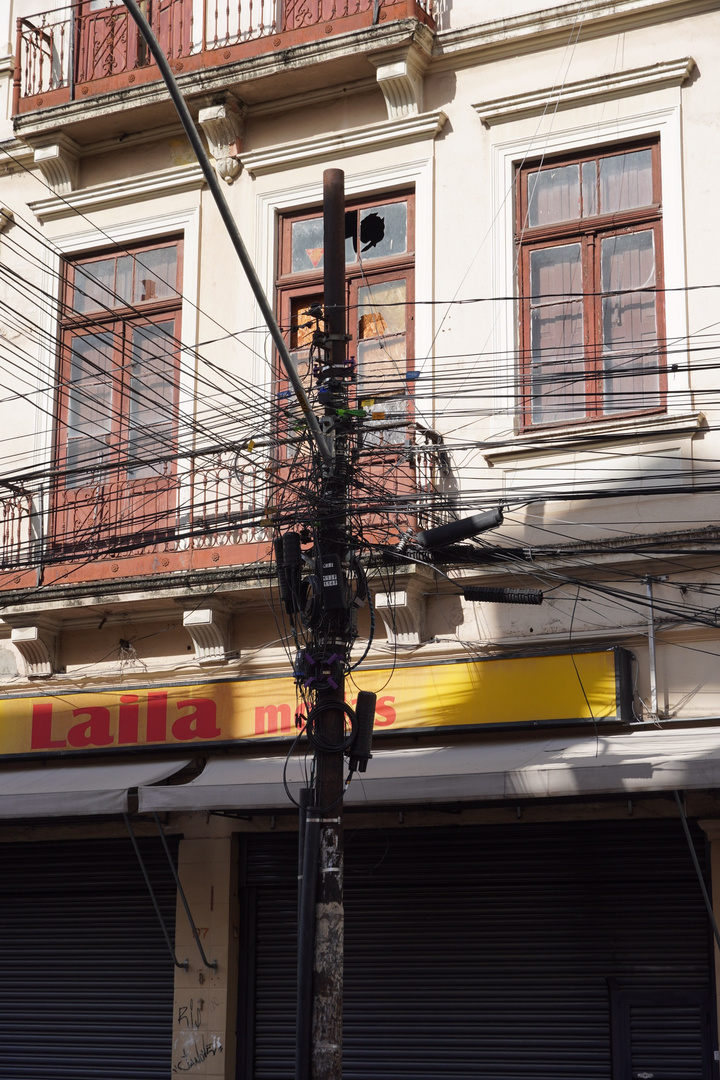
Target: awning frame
{"type": "Point", "coordinates": [184, 964]}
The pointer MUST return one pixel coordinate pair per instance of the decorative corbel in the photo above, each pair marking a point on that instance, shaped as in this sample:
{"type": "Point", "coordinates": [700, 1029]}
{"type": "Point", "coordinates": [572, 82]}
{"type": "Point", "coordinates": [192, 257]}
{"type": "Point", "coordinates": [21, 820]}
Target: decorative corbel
{"type": "Point", "coordinates": [400, 76]}
{"type": "Point", "coordinates": [224, 125]}
{"type": "Point", "coordinates": [403, 613]}
{"type": "Point", "coordinates": [36, 644]}
{"type": "Point", "coordinates": [208, 630]}
{"type": "Point", "coordinates": [6, 216]}
{"type": "Point", "coordinates": [57, 158]}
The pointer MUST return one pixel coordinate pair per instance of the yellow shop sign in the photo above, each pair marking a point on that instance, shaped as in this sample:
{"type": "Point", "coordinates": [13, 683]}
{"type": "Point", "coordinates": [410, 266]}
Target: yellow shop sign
{"type": "Point", "coordinates": [583, 686]}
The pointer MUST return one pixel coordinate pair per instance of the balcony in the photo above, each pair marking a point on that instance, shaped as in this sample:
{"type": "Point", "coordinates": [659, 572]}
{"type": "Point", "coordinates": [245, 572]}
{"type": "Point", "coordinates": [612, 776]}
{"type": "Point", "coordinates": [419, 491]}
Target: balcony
{"type": "Point", "coordinates": [213, 511]}
{"type": "Point", "coordinates": [83, 50]}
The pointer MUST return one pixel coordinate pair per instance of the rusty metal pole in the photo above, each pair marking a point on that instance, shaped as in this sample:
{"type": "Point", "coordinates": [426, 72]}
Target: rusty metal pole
{"type": "Point", "coordinates": [326, 1055]}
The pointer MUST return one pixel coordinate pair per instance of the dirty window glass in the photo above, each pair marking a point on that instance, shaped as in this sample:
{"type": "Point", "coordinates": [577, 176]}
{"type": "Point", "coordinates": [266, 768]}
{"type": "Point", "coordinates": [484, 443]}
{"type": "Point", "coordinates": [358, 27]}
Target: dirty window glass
{"type": "Point", "coordinates": [89, 417]}
{"type": "Point", "coordinates": [554, 195]}
{"type": "Point", "coordinates": [124, 279]}
{"type": "Point", "coordinates": [381, 349]}
{"type": "Point", "coordinates": [626, 181]}
{"type": "Point", "coordinates": [307, 245]}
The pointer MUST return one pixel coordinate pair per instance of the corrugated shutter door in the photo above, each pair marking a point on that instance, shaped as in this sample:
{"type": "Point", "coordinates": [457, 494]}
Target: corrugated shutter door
{"type": "Point", "coordinates": [486, 953]}
{"type": "Point", "coordinates": [86, 984]}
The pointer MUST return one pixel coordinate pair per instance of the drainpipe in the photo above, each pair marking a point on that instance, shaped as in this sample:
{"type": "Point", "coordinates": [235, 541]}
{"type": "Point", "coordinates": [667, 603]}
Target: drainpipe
{"type": "Point", "coordinates": [651, 649]}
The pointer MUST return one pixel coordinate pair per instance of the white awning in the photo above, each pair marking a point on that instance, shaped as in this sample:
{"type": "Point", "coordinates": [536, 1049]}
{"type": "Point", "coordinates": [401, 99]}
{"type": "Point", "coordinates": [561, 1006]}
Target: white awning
{"type": "Point", "coordinates": [629, 762]}
{"type": "Point", "coordinates": [63, 789]}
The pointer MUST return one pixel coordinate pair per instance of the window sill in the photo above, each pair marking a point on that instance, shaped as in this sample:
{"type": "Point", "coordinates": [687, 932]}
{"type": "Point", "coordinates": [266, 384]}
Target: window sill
{"type": "Point", "coordinates": [573, 438]}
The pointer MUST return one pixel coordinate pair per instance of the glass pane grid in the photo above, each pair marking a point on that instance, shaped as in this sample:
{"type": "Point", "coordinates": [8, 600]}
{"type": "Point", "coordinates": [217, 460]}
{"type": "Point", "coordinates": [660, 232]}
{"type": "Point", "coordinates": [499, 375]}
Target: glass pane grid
{"type": "Point", "coordinates": [592, 320]}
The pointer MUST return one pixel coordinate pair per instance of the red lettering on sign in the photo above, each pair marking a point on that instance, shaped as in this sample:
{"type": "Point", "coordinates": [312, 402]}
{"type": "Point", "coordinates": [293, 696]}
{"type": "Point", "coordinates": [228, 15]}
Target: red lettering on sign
{"type": "Point", "coordinates": [128, 719]}
{"type": "Point", "coordinates": [157, 716]}
{"type": "Point", "coordinates": [267, 717]}
{"type": "Point", "coordinates": [385, 711]}
{"type": "Point", "coordinates": [198, 724]}
{"type": "Point", "coordinates": [41, 729]}
{"type": "Point", "coordinates": [95, 731]}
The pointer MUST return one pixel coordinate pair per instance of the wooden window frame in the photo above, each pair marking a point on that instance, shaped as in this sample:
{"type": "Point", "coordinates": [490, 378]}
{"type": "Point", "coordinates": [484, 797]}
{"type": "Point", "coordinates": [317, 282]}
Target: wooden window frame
{"type": "Point", "coordinates": [292, 288]}
{"type": "Point", "coordinates": [115, 494]}
{"type": "Point", "coordinates": [588, 232]}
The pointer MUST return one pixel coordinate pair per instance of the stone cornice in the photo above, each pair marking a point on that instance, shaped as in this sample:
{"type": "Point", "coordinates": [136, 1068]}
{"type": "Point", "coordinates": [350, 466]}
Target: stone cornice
{"type": "Point", "coordinates": [386, 133]}
{"type": "Point", "coordinates": [652, 77]}
{"type": "Point", "coordinates": [120, 193]}
{"type": "Point", "coordinates": [536, 30]}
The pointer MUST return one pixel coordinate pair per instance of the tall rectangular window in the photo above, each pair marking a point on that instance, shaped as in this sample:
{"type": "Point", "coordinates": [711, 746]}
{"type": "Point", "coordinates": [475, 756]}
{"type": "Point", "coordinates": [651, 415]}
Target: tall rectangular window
{"type": "Point", "coordinates": [589, 252]}
{"type": "Point", "coordinates": [379, 290]}
{"type": "Point", "coordinates": [118, 395]}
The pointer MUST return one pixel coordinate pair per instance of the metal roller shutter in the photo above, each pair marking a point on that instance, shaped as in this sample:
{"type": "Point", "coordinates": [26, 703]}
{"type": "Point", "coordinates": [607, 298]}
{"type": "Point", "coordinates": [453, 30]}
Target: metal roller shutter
{"type": "Point", "coordinates": [87, 980]}
{"type": "Point", "coordinates": [492, 953]}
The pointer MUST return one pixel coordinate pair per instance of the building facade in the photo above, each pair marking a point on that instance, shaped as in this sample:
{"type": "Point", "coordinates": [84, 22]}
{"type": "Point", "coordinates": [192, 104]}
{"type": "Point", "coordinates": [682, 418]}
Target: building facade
{"type": "Point", "coordinates": [531, 314]}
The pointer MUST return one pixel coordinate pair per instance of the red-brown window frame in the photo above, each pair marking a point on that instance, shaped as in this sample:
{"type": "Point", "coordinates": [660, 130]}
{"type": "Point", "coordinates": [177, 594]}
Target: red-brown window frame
{"type": "Point", "coordinates": [112, 497]}
{"type": "Point", "coordinates": [293, 287]}
{"type": "Point", "coordinates": [587, 232]}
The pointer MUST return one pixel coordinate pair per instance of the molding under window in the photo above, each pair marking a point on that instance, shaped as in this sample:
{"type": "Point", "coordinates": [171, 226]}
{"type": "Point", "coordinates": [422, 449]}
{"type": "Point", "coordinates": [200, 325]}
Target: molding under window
{"type": "Point", "coordinates": [600, 88]}
{"type": "Point", "coordinates": [393, 132]}
{"type": "Point", "coordinates": [119, 193]}
{"type": "Point", "coordinates": [576, 437]}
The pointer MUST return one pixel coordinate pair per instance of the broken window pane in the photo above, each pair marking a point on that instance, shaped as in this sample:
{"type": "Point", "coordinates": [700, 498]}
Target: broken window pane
{"type": "Point", "coordinates": [383, 231]}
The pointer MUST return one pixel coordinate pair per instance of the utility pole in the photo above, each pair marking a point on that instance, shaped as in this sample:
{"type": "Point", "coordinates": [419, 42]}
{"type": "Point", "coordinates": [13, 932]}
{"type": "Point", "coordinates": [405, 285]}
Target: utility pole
{"type": "Point", "coordinates": [323, 601]}
{"type": "Point", "coordinates": [332, 637]}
